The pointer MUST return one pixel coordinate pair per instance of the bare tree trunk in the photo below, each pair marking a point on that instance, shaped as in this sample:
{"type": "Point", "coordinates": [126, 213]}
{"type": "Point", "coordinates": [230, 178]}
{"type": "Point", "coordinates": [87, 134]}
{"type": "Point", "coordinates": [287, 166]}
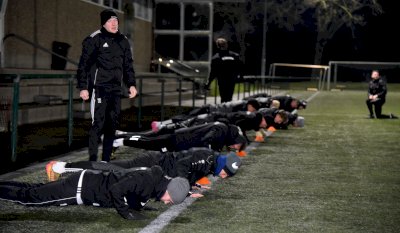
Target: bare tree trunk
{"type": "Point", "coordinates": [319, 49]}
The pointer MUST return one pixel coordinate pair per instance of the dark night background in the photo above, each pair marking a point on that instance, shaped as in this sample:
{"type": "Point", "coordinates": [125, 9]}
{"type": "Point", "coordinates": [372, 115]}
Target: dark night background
{"type": "Point", "coordinates": [376, 41]}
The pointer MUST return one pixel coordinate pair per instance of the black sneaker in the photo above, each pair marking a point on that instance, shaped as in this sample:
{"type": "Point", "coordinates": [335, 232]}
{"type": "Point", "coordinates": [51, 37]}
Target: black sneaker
{"type": "Point", "coordinates": [371, 117]}
{"type": "Point", "coordinates": [393, 116]}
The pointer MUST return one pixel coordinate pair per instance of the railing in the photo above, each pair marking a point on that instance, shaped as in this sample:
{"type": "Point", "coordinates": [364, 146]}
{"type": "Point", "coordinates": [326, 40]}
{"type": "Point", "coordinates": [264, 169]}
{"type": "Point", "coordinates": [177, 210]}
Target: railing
{"type": "Point", "coordinates": [36, 45]}
{"type": "Point", "coordinates": [163, 78]}
{"type": "Point", "coordinates": [16, 79]}
{"type": "Point", "coordinates": [249, 86]}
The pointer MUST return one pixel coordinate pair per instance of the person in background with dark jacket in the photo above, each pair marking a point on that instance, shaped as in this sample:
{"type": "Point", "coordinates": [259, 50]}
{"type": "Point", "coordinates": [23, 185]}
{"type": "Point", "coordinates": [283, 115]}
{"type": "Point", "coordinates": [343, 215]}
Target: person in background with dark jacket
{"type": "Point", "coordinates": [123, 189]}
{"type": "Point", "coordinates": [226, 67]}
{"type": "Point", "coordinates": [377, 90]}
{"type": "Point", "coordinates": [105, 65]}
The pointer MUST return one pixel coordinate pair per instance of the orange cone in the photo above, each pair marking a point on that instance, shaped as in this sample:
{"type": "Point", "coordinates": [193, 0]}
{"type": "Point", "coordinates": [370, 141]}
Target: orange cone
{"type": "Point", "coordinates": [241, 153]}
{"type": "Point", "coordinates": [203, 181]}
{"type": "Point", "coordinates": [272, 129]}
{"type": "Point", "coordinates": [259, 138]}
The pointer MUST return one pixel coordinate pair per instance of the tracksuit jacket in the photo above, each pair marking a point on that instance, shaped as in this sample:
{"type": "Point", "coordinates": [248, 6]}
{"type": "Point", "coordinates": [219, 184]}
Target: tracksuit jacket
{"type": "Point", "coordinates": [377, 87]}
{"type": "Point", "coordinates": [213, 135]}
{"type": "Point", "coordinates": [285, 101]}
{"type": "Point", "coordinates": [192, 164]}
{"type": "Point", "coordinates": [106, 62]}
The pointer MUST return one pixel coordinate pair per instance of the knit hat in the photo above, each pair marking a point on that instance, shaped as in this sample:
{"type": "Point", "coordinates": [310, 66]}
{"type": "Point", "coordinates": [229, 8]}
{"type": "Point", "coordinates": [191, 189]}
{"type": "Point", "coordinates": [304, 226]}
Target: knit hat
{"type": "Point", "coordinates": [232, 164]}
{"type": "Point", "coordinates": [299, 122]}
{"type": "Point", "coordinates": [221, 161]}
{"type": "Point", "coordinates": [107, 14]}
{"type": "Point", "coordinates": [178, 188]}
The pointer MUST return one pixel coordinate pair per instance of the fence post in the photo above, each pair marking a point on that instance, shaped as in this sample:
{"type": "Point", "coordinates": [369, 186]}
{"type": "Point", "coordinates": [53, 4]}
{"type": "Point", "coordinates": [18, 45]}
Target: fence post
{"type": "Point", "coordinates": [193, 93]}
{"type": "Point", "coordinates": [162, 97]}
{"type": "Point", "coordinates": [14, 120]}
{"type": "Point", "coordinates": [215, 91]}
{"type": "Point", "coordinates": [139, 117]}
{"type": "Point", "coordinates": [70, 111]}
{"type": "Point", "coordinates": [180, 95]}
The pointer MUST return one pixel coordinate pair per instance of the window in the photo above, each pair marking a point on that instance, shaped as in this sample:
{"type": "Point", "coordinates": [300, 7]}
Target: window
{"type": "Point", "coordinates": [167, 46]}
{"type": "Point", "coordinates": [143, 10]}
{"type": "Point", "coordinates": [196, 17]}
{"type": "Point", "coordinates": [167, 16]}
{"type": "Point", "coordinates": [182, 31]}
{"type": "Point", "coordinates": [115, 4]}
{"type": "Point", "coordinates": [196, 48]}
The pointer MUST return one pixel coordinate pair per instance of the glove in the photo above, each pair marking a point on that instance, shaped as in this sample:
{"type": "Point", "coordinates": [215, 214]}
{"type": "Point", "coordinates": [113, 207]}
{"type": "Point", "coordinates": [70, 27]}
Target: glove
{"type": "Point", "coordinates": [134, 216]}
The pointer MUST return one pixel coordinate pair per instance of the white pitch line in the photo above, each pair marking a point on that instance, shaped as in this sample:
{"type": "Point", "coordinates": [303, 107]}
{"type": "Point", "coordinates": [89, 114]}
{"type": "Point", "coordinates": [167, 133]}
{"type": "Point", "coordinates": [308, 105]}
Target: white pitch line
{"type": "Point", "coordinates": [172, 212]}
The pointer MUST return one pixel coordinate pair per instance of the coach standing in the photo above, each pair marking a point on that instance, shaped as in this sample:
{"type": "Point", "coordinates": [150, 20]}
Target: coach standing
{"type": "Point", "coordinates": [105, 64]}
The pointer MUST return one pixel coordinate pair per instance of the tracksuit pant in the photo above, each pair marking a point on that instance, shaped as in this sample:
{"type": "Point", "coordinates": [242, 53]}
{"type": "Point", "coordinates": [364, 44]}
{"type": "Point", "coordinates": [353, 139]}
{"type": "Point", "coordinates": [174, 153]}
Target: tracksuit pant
{"type": "Point", "coordinates": [105, 113]}
{"type": "Point", "coordinates": [60, 193]}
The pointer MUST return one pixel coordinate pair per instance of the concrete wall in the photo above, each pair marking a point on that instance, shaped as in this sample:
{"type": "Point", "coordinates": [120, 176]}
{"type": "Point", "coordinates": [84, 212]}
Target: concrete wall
{"type": "Point", "coordinates": [45, 21]}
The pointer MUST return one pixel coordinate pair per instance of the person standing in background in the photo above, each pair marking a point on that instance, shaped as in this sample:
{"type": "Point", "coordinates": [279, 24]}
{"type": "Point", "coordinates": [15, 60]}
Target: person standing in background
{"type": "Point", "coordinates": [226, 67]}
{"type": "Point", "coordinates": [105, 64]}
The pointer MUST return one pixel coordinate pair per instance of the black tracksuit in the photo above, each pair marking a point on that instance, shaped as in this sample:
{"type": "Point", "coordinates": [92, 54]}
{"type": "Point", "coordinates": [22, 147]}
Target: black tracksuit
{"type": "Point", "coordinates": [269, 116]}
{"type": "Point", "coordinates": [105, 65]}
{"type": "Point", "coordinates": [192, 164]}
{"type": "Point", "coordinates": [245, 120]}
{"type": "Point", "coordinates": [285, 102]}
{"type": "Point", "coordinates": [213, 135]}
{"type": "Point", "coordinates": [103, 189]}
{"type": "Point", "coordinates": [227, 107]}
{"type": "Point", "coordinates": [377, 87]}
{"type": "Point", "coordinates": [226, 67]}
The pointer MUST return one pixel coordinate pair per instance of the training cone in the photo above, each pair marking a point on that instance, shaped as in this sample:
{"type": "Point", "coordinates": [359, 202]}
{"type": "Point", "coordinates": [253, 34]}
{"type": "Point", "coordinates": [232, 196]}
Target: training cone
{"type": "Point", "coordinates": [259, 138]}
{"type": "Point", "coordinates": [203, 181]}
{"type": "Point", "coordinates": [271, 129]}
{"type": "Point", "coordinates": [241, 153]}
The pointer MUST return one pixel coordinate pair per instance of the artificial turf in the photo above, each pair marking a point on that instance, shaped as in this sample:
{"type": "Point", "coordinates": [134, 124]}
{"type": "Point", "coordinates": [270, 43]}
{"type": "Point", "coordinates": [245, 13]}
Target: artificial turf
{"type": "Point", "coordinates": [340, 173]}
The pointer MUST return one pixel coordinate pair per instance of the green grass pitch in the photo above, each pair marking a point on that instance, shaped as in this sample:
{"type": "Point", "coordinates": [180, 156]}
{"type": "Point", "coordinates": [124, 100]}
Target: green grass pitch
{"type": "Point", "coordinates": [340, 173]}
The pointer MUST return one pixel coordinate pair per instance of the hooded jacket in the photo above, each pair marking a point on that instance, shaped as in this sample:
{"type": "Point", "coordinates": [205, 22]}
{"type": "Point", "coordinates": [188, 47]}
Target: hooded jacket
{"type": "Point", "coordinates": [123, 189]}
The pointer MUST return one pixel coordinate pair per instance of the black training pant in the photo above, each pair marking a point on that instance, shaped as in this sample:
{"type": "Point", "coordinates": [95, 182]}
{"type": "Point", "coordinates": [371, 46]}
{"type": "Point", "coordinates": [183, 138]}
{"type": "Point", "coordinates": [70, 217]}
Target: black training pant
{"type": "Point", "coordinates": [163, 143]}
{"type": "Point", "coordinates": [226, 89]}
{"type": "Point", "coordinates": [105, 112]}
{"type": "Point", "coordinates": [378, 107]}
{"type": "Point", "coordinates": [61, 192]}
